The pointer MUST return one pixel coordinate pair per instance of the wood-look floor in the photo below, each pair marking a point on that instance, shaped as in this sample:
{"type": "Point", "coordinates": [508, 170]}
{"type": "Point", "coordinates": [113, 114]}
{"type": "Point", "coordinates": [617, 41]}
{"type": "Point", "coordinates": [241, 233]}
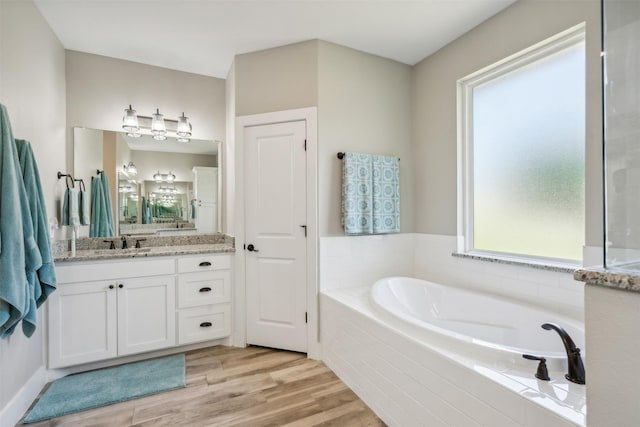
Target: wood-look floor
{"type": "Point", "coordinates": [229, 386]}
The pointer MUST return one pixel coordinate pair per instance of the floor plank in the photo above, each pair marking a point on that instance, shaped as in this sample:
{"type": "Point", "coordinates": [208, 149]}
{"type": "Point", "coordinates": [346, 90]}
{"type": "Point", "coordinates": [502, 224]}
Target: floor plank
{"type": "Point", "coordinates": [231, 386]}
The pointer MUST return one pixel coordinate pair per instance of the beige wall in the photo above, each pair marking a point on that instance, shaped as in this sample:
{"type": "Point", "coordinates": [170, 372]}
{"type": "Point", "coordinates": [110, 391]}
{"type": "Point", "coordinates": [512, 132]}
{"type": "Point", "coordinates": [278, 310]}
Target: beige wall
{"type": "Point", "coordinates": [364, 106]}
{"type": "Point", "coordinates": [277, 79]}
{"type": "Point", "coordinates": [32, 87]}
{"type": "Point", "coordinates": [227, 157]}
{"type": "Point", "coordinates": [434, 105]}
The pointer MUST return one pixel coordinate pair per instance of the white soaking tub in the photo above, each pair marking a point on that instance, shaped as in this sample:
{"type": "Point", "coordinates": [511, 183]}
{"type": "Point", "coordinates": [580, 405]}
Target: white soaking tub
{"type": "Point", "coordinates": [499, 328]}
{"type": "Point", "coordinates": [424, 354]}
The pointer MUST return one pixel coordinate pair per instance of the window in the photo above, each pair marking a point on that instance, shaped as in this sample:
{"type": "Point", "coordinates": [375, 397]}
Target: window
{"type": "Point", "coordinates": [522, 144]}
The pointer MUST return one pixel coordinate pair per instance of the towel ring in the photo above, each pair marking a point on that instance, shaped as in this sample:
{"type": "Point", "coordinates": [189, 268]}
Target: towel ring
{"type": "Point", "coordinates": [67, 177]}
{"type": "Point", "coordinates": [82, 187]}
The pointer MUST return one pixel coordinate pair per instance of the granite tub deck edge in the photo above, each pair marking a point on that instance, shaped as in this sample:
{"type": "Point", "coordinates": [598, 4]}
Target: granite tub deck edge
{"type": "Point", "coordinates": [609, 278]}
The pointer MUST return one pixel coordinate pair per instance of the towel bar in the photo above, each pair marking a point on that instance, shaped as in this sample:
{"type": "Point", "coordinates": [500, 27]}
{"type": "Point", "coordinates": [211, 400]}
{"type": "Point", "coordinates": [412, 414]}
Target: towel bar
{"type": "Point", "coordinates": [341, 155]}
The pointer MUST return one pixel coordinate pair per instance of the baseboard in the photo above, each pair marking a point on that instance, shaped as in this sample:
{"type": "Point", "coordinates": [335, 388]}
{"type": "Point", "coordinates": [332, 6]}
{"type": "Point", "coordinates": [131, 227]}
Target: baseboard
{"type": "Point", "coordinates": [15, 409]}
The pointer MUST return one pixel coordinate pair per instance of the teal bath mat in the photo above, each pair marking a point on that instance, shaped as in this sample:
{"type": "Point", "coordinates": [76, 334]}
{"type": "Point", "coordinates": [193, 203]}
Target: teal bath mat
{"type": "Point", "coordinates": [103, 387]}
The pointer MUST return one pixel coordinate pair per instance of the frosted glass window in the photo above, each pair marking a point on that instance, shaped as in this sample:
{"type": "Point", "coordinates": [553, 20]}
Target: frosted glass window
{"type": "Point", "coordinates": [528, 137]}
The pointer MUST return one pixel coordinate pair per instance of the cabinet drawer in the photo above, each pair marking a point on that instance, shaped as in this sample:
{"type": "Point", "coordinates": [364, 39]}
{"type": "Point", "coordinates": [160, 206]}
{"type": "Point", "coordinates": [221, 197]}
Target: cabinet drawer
{"type": "Point", "coordinates": [204, 262]}
{"type": "Point", "coordinates": [105, 270]}
{"type": "Point", "coordinates": [204, 323]}
{"type": "Point", "coordinates": [204, 288]}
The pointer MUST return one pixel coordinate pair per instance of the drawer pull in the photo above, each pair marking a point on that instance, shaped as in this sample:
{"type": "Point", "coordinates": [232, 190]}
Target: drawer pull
{"type": "Point", "coordinates": [205, 290]}
{"type": "Point", "coordinates": [206, 324]}
{"type": "Point", "coordinates": [205, 264]}
{"type": "Point", "coordinates": [111, 286]}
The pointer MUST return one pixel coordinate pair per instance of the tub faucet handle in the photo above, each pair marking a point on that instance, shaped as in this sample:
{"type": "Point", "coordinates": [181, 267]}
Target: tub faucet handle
{"type": "Point", "coordinates": [542, 373]}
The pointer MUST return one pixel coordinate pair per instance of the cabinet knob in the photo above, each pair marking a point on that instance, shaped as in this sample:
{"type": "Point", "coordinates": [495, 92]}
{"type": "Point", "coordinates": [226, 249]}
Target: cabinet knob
{"type": "Point", "coordinates": [205, 264]}
{"type": "Point", "coordinates": [206, 324]}
{"type": "Point", "coordinates": [205, 290]}
{"type": "Point", "coordinates": [121, 286]}
{"type": "Point", "coordinates": [111, 286]}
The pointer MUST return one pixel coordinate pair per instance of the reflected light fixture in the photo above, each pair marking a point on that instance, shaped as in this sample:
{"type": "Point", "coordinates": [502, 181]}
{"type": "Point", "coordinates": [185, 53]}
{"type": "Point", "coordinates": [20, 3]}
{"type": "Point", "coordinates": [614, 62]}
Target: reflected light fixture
{"type": "Point", "coordinates": [161, 177]}
{"type": "Point", "coordinates": [157, 126]}
{"type": "Point", "coordinates": [130, 169]}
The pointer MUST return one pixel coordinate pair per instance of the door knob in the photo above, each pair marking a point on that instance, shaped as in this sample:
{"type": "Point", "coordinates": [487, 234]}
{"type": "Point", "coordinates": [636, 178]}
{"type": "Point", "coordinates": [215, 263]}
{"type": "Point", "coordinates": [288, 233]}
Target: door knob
{"type": "Point", "coordinates": [252, 248]}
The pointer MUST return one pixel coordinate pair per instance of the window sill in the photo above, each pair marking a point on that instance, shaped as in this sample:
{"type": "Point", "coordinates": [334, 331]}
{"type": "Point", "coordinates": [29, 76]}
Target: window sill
{"type": "Point", "coordinates": [540, 265]}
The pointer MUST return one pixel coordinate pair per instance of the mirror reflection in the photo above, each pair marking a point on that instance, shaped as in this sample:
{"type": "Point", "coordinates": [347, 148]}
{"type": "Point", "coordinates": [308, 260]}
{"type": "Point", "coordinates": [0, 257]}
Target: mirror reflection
{"type": "Point", "coordinates": [157, 187]}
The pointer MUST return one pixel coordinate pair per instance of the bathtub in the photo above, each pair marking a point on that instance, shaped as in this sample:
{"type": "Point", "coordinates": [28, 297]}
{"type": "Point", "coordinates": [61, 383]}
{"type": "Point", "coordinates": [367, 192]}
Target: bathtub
{"type": "Point", "coordinates": [491, 327]}
{"type": "Point", "coordinates": [420, 353]}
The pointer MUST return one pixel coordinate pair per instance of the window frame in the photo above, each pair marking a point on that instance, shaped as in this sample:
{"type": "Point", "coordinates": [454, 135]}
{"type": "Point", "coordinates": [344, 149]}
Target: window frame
{"type": "Point", "coordinates": [465, 172]}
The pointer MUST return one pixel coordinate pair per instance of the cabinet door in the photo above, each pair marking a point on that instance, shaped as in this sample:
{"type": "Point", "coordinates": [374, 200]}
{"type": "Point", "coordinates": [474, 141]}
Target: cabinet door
{"type": "Point", "coordinates": [82, 323]}
{"type": "Point", "coordinates": [146, 314]}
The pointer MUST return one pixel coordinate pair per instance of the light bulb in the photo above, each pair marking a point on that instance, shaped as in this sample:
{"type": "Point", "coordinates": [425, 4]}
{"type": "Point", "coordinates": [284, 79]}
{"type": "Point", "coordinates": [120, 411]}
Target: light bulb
{"type": "Point", "coordinates": [158, 128]}
{"type": "Point", "coordinates": [184, 127]}
{"type": "Point", "coordinates": [130, 121]}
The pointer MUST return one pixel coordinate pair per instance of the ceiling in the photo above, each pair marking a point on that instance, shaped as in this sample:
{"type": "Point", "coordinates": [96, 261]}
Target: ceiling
{"type": "Point", "coordinates": [203, 36]}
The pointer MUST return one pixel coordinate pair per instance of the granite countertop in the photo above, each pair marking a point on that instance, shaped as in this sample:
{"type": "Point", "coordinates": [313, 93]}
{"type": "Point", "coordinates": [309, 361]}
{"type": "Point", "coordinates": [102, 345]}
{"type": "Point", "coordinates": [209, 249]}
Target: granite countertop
{"type": "Point", "coordinates": [616, 278]}
{"type": "Point", "coordinates": [96, 249]}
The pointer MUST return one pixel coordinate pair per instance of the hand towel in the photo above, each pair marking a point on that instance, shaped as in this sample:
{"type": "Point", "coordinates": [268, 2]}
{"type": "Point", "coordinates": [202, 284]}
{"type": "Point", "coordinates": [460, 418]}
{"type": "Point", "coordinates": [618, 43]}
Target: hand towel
{"type": "Point", "coordinates": [370, 194]}
{"type": "Point", "coordinates": [70, 210]}
{"type": "Point", "coordinates": [83, 206]}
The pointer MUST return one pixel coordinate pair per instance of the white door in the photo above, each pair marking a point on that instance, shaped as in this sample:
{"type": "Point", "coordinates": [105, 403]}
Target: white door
{"type": "Point", "coordinates": [275, 227]}
{"type": "Point", "coordinates": [146, 314]}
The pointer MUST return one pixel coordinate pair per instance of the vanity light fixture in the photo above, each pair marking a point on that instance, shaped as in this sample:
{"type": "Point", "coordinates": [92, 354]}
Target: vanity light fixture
{"type": "Point", "coordinates": [156, 125]}
{"type": "Point", "coordinates": [130, 169]}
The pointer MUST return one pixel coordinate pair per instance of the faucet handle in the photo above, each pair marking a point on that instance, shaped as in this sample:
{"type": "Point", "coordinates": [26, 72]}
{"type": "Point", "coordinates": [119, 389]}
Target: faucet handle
{"type": "Point", "coordinates": [138, 243]}
{"type": "Point", "coordinates": [112, 244]}
{"type": "Point", "coordinates": [542, 373]}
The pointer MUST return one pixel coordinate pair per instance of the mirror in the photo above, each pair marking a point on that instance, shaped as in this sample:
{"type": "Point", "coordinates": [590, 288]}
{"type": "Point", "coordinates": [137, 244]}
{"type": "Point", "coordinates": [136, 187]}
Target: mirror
{"type": "Point", "coordinates": [174, 189]}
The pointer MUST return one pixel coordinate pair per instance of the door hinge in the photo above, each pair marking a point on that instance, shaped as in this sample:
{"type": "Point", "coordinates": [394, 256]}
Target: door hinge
{"type": "Point", "coordinates": [305, 230]}
{"type": "Point", "coordinates": [306, 319]}
{"type": "Point", "coordinates": [305, 145]}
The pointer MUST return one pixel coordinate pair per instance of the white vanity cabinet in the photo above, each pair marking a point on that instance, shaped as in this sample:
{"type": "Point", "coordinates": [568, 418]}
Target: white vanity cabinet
{"type": "Point", "coordinates": [204, 297]}
{"type": "Point", "coordinates": [107, 309]}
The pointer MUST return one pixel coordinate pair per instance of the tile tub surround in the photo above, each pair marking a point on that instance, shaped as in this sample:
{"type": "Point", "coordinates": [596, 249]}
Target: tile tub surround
{"type": "Point", "coordinates": [410, 382]}
{"type": "Point", "coordinates": [358, 261]}
{"type": "Point", "coordinates": [96, 248]}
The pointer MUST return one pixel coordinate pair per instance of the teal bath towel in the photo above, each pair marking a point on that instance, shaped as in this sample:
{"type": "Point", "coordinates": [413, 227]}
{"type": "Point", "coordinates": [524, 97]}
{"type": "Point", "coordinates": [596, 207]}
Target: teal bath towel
{"type": "Point", "coordinates": [370, 194]}
{"type": "Point", "coordinates": [101, 224]}
{"type": "Point", "coordinates": [44, 282]}
{"type": "Point", "coordinates": [19, 254]}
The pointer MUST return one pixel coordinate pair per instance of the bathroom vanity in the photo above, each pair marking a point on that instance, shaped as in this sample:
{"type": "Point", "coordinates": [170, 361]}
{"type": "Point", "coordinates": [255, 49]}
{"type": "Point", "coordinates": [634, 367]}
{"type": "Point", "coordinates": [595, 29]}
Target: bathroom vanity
{"type": "Point", "coordinates": [113, 303]}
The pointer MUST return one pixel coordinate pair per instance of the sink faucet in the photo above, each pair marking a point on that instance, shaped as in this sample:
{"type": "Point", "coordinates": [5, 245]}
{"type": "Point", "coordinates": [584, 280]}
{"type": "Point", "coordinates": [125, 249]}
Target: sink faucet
{"type": "Point", "coordinates": [576, 367]}
{"type": "Point", "coordinates": [124, 242]}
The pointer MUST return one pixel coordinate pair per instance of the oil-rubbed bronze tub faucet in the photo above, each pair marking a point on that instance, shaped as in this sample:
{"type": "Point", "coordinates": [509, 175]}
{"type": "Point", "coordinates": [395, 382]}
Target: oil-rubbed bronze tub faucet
{"type": "Point", "coordinates": [576, 367]}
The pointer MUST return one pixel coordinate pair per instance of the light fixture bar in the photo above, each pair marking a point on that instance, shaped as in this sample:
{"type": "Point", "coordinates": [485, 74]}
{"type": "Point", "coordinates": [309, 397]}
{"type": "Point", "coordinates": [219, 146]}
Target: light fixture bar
{"type": "Point", "coordinates": [156, 125]}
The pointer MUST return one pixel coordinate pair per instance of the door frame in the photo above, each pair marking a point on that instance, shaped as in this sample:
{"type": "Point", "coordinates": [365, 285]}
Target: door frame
{"type": "Point", "coordinates": [309, 115]}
